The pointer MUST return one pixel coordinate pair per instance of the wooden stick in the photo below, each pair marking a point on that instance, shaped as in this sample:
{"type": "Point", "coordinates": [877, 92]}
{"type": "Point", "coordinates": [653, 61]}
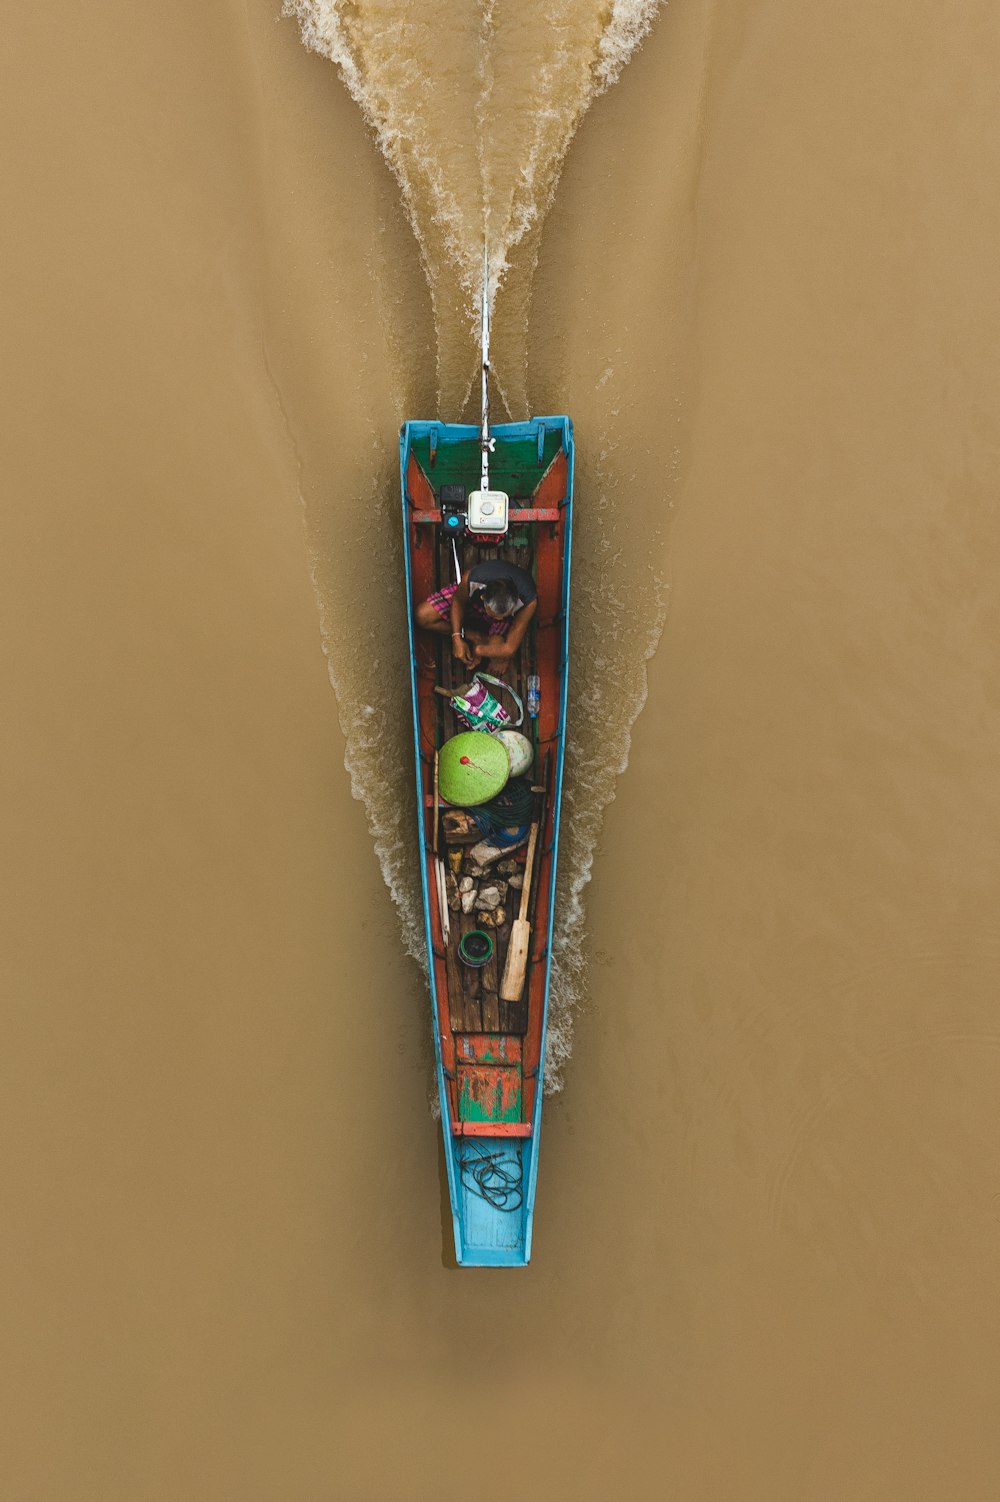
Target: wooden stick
{"type": "Point", "coordinates": [443, 901]}
{"type": "Point", "coordinates": [434, 841]}
{"type": "Point", "coordinates": [526, 895]}
{"type": "Point", "coordinates": [520, 934]}
{"type": "Point", "coordinates": [528, 865]}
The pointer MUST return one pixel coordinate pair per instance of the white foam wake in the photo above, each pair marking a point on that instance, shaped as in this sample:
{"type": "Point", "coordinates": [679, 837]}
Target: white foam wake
{"type": "Point", "coordinates": [474, 107]}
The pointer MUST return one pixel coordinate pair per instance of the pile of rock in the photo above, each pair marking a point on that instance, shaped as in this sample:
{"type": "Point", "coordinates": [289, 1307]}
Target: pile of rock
{"type": "Point", "coordinates": [479, 880]}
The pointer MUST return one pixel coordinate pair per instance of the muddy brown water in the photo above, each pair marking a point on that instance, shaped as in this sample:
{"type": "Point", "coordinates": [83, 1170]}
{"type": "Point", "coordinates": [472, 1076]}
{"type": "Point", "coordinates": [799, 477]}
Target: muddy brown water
{"type": "Point", "coordinates": [767, 1246]}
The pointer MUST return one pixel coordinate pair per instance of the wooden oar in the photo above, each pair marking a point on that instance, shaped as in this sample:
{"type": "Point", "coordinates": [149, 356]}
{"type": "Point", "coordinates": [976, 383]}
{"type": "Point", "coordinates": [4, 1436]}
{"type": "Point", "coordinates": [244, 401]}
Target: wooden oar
{"type": "Point", "coordinates": [520, 933]}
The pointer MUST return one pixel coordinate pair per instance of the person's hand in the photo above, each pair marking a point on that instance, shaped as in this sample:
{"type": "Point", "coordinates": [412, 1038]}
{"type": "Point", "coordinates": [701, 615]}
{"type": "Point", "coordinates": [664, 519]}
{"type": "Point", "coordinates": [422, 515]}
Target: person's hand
{"type": "Point", "coordinates": [462, 650]}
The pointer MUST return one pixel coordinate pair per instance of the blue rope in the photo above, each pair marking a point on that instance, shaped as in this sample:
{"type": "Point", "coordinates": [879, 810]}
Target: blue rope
{"type": "Point", "coordinates": [496, 836]}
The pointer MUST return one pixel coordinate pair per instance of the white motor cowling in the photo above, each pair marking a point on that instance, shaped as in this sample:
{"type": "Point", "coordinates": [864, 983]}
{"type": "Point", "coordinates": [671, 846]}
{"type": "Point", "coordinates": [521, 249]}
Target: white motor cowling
{"type": "Point", "coordinates": [488, 512]}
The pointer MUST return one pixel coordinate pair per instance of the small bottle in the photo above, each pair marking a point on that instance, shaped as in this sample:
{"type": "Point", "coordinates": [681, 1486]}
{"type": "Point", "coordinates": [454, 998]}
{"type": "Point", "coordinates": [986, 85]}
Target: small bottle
{"type": "Point", "coordinates": [534, 694]}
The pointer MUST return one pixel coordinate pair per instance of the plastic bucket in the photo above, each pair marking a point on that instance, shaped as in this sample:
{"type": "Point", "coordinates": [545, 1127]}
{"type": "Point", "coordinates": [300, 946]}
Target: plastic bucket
{"type": "Point", "coordinates": [475, 948]}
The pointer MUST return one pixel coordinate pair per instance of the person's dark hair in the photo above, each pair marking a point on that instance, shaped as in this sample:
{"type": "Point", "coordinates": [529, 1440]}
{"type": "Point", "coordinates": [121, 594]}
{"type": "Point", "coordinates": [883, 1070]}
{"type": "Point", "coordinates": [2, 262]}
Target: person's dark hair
{"type": "Point", "coordinates": [501, 597]}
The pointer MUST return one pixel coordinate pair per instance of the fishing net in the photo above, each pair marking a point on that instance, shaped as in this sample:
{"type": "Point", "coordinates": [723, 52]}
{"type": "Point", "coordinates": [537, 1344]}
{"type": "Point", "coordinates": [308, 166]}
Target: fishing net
{"type": "Point", "coordinates": [508, 811]}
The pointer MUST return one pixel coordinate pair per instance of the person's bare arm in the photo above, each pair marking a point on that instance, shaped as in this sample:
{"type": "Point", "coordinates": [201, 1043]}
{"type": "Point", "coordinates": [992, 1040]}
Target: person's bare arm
{"type": "Point", "coordinates": [459, 647]}
{"type": "Point", "coordinates": [504, 647]}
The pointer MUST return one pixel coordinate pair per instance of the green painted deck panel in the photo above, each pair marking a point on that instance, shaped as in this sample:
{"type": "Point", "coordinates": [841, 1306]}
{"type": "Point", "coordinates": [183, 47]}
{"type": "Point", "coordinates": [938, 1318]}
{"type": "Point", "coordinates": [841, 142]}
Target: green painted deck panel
{"type": "Point", "coordinates": [487, 1048]}
{"type": "Point", "coordinates": [514, 466]}
{"type": "Point", "coordinates": [489, 1092]}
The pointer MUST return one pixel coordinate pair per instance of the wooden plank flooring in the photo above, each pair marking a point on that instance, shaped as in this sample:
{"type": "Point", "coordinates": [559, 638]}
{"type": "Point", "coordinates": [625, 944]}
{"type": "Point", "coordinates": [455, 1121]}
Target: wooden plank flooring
{"type": "Point", "coordinates": [474, 1003]}
{"type": "Point", "coordinates": [471, 983]}
{"type": "Point", "coordinates": [454, 967]}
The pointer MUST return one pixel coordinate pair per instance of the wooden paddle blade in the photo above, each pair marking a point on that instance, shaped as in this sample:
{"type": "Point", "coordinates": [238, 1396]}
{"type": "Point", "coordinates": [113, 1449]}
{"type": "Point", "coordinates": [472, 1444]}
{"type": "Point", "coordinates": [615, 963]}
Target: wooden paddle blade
{"type": "Point", "coordinates": [517, 961]}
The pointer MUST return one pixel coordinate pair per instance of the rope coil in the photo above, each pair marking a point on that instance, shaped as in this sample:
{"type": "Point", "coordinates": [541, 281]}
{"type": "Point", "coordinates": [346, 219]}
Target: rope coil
{"type": "Point", "coordinates": [494, 1177]}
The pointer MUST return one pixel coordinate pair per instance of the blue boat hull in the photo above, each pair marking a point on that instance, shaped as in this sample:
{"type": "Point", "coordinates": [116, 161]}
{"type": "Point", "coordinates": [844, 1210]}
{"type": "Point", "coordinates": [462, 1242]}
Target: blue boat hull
{"type": "Point", "coordinates": [489, 1055]}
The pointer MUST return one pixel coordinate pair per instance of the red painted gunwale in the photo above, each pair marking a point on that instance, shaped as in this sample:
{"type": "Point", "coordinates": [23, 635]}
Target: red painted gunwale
{"type": "Point", "coordinates": [548, 514]}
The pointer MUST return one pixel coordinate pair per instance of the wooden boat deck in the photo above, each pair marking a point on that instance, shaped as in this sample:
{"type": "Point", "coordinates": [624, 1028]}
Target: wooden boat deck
{"type": "Point", "coordinates": [488, 1088]}
{"type": "Point", "coordinates": [473, 995]}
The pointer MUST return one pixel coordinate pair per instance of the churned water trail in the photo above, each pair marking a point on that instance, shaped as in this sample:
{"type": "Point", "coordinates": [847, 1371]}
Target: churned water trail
{"type": "Point", "coordinates": [474, 107]}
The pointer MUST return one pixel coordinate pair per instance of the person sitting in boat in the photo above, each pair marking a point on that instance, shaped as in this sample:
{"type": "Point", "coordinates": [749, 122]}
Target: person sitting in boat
{"type": "Point", "coordinates": [487, 613]}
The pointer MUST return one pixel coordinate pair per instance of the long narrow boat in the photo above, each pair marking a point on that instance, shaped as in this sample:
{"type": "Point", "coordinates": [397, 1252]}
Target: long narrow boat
{"type": "Point", "coordinates": [489, 1051]}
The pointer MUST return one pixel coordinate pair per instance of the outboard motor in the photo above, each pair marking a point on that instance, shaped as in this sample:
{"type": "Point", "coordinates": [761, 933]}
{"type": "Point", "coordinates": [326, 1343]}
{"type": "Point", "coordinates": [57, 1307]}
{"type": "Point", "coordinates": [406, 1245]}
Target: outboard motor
{"type": "Point", "coordinates": [453, 513]}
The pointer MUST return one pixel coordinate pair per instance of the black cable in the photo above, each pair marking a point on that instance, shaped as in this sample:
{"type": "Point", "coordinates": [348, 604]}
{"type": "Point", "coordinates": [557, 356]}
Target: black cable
{"type": "Point", "coordinates": [493, 1179]}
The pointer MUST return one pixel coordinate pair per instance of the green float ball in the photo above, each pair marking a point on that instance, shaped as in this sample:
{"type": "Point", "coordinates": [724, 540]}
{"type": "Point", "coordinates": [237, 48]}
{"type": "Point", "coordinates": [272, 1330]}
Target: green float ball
{"type": "Point", "coordinates": [472, 768]}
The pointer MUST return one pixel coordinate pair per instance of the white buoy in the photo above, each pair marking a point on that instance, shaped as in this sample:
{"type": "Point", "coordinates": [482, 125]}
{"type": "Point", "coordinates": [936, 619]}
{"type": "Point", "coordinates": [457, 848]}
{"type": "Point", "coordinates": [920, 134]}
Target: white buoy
{"type": "Point", "coordinates": [520, 751]}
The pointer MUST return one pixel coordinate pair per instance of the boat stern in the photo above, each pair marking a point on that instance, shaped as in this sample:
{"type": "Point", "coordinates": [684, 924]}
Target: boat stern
{"type": "Point", "coordinates": [493, 1214]}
